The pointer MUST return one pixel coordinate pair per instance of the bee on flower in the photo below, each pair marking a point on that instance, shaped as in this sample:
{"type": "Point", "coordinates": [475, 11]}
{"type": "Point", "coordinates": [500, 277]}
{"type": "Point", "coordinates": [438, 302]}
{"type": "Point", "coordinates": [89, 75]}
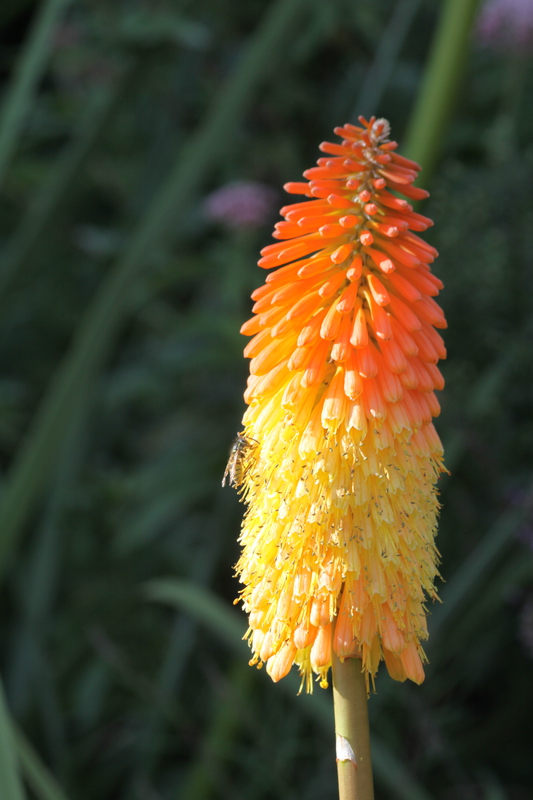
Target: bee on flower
{"type": "Point", "coordinates": [338, 549]}
{"type": "Point", "coordinates": [238, 461]}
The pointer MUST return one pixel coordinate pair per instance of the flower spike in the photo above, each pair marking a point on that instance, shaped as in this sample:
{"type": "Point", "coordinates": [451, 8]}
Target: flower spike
{"type": "Point", "coordinates": [338, 538]}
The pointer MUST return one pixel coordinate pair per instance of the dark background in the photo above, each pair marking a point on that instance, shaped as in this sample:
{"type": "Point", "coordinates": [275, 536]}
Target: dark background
{"type": "Point", "coordinates": [121, 380]}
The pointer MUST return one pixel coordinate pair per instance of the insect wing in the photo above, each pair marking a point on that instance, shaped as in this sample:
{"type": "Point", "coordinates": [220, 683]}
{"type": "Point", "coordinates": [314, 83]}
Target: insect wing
{"type": "Point", "coordinates": [235, 467]}
{"type": "Point", "coordinates": [229, 472]}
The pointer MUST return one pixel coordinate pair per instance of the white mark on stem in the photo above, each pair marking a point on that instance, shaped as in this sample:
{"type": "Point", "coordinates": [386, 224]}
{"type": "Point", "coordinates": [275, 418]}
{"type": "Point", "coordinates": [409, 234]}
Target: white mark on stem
{"type": "Point", "coordinates": [344, 750]}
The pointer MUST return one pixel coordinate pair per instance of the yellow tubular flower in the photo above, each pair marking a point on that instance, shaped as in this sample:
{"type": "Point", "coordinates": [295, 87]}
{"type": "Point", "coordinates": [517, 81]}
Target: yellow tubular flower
{"type": "Point", "coordinates": [341, 453]}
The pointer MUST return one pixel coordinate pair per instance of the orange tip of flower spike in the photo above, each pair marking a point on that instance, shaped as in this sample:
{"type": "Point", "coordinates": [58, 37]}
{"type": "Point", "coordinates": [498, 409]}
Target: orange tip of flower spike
{"type": "Point", "coordinates": [342, 457]}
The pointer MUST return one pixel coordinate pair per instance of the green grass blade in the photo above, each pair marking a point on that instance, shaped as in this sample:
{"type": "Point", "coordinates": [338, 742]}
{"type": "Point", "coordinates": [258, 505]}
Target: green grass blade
{"type": "Point", "coordinates": [10, 782]}
{"type": "Point", "coordinates": [393, 775]}
{"type": "Point", "coordinates": [39, 778]}
{"type": "Point", "coordinates": [112, 303]}
{"type": "Point", "coordinates": [28, 71]}
{"type": "Point", "coordinates": [441, 83]}
{"type": "Point", "coordinates": [55, 190]}
{"type": "Point", "coordinates": [473, 616]}
{"type": "Point", "coordinates": [476, 566]}
{"type": "Point", "coordinates": [217, 744]}
{"type": "Point", "coordinates": [485, 391]}
{"type": "Point", "coordinates": [388, 50]}
{"type": "Point", "coordinates": [204, 606]}
{"type": "Point", "coordinates": [170, 676]}
{"type": "Point", "coordinates": [24, 676]}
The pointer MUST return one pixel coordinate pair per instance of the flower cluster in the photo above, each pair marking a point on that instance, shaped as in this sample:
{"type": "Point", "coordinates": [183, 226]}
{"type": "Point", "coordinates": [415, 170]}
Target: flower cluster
{"type": "Point", "coordinates": [338, 538]}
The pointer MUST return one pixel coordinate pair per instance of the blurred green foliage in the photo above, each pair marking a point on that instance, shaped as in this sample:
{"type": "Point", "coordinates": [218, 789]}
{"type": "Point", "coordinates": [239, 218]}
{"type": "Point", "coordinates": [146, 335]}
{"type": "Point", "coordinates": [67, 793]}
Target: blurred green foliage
{"type": "Point", "coordinates": [121, 389]}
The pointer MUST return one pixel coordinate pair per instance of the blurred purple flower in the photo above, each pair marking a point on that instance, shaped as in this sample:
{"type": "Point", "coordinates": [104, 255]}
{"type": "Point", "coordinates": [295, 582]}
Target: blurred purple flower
{"type": "Point", "coordinates": [67, 34]}
{"type": "Point", "coordinates": [506, 24]}
{"type": "Point", "coordinates": [241, 204]}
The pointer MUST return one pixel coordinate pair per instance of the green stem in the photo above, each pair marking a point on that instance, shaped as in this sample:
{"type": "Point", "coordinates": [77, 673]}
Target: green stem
{"type": "Point", "coordinates": [354, 764]}
{"type": "Point", "coordinates": [441, 83]}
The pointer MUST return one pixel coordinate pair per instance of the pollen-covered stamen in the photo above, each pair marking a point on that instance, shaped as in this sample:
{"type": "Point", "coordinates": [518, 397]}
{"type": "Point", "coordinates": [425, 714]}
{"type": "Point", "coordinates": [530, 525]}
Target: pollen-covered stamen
{"type": "Point", "coordinates": [338, 538]}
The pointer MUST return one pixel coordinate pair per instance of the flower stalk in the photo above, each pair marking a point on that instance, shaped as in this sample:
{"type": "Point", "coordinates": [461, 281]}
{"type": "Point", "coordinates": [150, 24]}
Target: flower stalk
{"type": "Point", "coordinates": [352, 734]}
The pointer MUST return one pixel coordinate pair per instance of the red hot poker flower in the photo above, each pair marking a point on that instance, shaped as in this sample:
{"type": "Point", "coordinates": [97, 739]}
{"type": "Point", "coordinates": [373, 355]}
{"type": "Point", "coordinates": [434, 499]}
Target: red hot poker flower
{"type": "Point", "coordinates": [342, 456]}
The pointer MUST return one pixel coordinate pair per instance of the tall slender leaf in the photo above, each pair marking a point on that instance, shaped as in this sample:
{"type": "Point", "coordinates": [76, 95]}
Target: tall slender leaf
{"type": "Point", "coordinates": [478, 564]}
{"type": "Point", "coordinates": [39, 778]}
{"type": "Point", "coordinates": [28, 71]}
{"type": "Point", "coordinates": [10, 783]}
{"type": "Point", "coordinates": [387, 52]}
{"type": "Point", "coordinates": [15, 258]}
